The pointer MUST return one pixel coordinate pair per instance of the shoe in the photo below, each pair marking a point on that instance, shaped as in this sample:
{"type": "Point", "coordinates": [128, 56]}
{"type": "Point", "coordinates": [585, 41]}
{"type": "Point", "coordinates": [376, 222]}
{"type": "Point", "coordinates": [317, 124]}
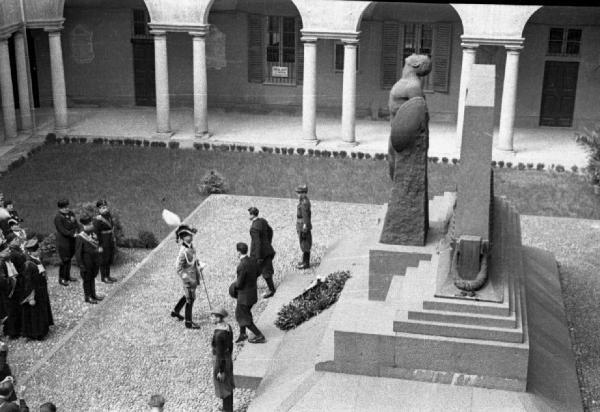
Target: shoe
{"type": "Point", "coordinates": [268, 294]}
{"type": "Point", "coordinates": [99, 298]}
{"type": "Point", "coordinates": [302, 266]}
{"type": "Point", "coordinates": [176, 315]}
{"type": "Point", "coordinates": [111, 280]}
{"type": "Point", "coordinates": [63, 282]}
{"type": "Point", "coordinates": [257, 339]}
{"type": "Point", "coordinates": [241, 338]}
{"type": "Point", "coordinates": [105, 280]}
{"type": "Point", "coordinates": [192, 325]}
{"type": "Point", "coordinates": [72, 279]}
{"type": "Point", "coordinates": [91, 300]}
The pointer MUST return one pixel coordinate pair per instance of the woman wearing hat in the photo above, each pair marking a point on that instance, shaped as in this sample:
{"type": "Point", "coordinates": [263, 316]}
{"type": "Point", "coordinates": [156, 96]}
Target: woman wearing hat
{"type": "Point", "coordinates": [37, 313]}
{"type": "Point", "coordinates": [222, 347]}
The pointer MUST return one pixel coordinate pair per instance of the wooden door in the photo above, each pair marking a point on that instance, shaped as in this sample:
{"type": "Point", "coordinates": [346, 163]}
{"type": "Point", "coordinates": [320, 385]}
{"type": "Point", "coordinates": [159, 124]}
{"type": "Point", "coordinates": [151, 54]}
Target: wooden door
{"type": "Point", "coordinates": [143, 72]}
{"type": "Point", "coordinates": [558, 93]}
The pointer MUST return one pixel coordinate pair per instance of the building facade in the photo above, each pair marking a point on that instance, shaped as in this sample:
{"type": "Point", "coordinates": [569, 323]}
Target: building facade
{"type": "Point", "coordinates": [306, 56]}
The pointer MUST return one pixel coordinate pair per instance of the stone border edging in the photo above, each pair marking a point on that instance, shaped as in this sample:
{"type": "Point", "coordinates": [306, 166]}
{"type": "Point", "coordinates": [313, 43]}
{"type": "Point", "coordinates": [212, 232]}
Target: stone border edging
{"type": "Point", "coordinates": [90, 313]}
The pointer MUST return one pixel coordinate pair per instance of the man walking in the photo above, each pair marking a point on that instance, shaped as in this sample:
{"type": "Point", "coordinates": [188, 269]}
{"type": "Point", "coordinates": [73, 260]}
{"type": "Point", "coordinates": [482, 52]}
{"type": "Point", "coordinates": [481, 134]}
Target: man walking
{"type": "Point", "coordinates": [304, 226]}
{"type": "Point", "coordinates": [247, 272]}
{"type": "Point", "coordinates": [88, 258]}
{"type": "Point", "coordinates": [261, 249]}
{"type": "Point", "coordinates": [66, 229]}
{"type": "Point", "coordinates": [189, 271]}
{"type": "Point", "coordinates": [103, 223]}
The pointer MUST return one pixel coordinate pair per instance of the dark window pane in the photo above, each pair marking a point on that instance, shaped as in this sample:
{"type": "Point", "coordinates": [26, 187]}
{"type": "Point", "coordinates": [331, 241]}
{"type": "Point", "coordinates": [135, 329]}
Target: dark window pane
{"type": "Point", "coordinates": [274, 24]}
{"type": "Point", "coordinates": [289, 40]}
{"type": "Point", "coordinates": [339, 56]}
{"type": "Point", "coordinates": [574, 35]}
{"type": "Point", "coordinates": [554, 47]}
{"type": "Point", "coordinates": [289, 24]}
{"type": "Point", "coordinates": [572, 47]}
{"type": "Point", "coordinates": [289, 54]}
{"type": "Point", "coordinates": [556, 34]}
{"type": "Point", "coordinates": [273, 54]}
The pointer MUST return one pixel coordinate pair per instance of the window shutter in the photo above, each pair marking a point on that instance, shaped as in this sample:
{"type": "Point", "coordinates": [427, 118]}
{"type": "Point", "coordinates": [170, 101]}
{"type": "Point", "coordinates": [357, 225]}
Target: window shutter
{"type": "Point", "coordinates": [299, 53]}
{"type": "Point", "coordinates": [255, 48]}
{"type": "Point", "coordinates": [389, 54]}
{"type": "Point", "coordinates": [442, 47]}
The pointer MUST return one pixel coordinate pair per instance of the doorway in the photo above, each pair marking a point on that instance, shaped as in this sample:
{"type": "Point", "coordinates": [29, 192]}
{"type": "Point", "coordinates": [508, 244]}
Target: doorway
{"type": "Point", "coordinates": [558, 93]}
{"type": "Point", "coordinates": [143, 72]}
{"type": "Point", "coordinates": [32, 69]}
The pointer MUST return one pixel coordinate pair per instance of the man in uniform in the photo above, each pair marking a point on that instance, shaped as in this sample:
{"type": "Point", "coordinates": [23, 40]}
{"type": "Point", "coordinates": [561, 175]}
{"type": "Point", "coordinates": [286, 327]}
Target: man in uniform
{"type": "Point", "coordinates": [103, 223]}
{"type": "Point", "coordinates": [88, 258]}
{"type": "Point", "coordinates": [188, 268]}
{"type": "Point", "coordinates": [304, 226]}
{"type": "Point", "coordinates": [245, 284]}
{"type": "Point", "coordinates": [66, 229]}
{"type": "Point", "coordinates": [261, 250]}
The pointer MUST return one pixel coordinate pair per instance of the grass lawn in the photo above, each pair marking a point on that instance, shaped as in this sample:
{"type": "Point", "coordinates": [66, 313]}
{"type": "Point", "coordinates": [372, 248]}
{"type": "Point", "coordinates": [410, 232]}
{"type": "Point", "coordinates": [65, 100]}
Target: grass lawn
{"type": "Point", "coordinates": [141, 181]}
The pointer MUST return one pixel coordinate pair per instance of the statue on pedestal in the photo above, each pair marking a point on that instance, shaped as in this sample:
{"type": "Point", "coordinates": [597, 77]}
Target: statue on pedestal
{"type": "Point", "coordinates": [406, 221]}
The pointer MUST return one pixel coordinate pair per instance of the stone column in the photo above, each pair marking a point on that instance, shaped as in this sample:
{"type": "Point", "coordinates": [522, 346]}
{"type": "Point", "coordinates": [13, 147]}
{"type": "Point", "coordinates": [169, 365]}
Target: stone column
{"type": "Point", "coordinates": [59, 93]}
{"type": "Point", "coordinates": [163, 124]}
{"type": "Point", "coordinates": [200, 84]}
{"type": "Point", "coordinates": [23, 83]}
{"type": "Point", "coordinates": [468, 59]}
{"type": "Point", "coordinates": [309, 91]}
{"type": "Point", "coordinates": [349, 93]}
{"type": "Point", "coordinates": [509, 99]}
{"type": "Point", "coordinates": [6, 87]}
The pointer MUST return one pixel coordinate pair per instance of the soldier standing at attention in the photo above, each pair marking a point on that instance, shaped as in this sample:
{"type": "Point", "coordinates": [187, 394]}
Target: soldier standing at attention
{"type": "Point", "coordinates": [66, 229]}
{"type": "Point", "coordinates": [88, 259]}
{"type": "Point", "coordinates": [304, 226]}
{"type": "Point", "coordinates": [188, 269]}
{"type": "Point", "coordinates": [261, 249]}
{"type": "Point", "coordinates": [103, 223]}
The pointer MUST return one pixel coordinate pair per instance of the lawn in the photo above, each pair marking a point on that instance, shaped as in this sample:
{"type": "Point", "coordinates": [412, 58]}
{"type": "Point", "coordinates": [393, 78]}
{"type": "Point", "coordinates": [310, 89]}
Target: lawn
{"type": "Point", "coordinates": [141, 181]}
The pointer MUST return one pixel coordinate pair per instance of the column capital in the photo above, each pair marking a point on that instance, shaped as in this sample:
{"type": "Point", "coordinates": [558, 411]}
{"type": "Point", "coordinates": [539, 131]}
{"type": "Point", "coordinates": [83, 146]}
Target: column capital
{"type": "Point", "coordinates": [201, 31]}
{"type": "Point", "coordinates": [5, 36]}
{"type": "Point", "coordinates": [513, 49]}
{"type": "Point", "coordinates": [158, 33]}
{"type": "Point", "coordinates": [350, 42]}
{"type": "Point", "coordinates": [53, 31]}
{"type": "Point", "coordinates": [469, 47]}
{"type": "Point", "coordinates": [309, 39]}
{"type": "Point", "coordinates": [18, 33]}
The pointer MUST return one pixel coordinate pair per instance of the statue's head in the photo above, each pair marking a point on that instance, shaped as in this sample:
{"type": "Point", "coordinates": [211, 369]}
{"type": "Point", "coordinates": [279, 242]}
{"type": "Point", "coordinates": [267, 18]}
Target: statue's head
{"type": "Point", "coordinates": [419, 64]}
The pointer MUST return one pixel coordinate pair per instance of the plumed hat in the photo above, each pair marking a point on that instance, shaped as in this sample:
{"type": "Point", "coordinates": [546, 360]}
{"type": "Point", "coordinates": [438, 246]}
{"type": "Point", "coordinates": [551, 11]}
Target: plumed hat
{"type": "Point", "coordinates": [62, 203]}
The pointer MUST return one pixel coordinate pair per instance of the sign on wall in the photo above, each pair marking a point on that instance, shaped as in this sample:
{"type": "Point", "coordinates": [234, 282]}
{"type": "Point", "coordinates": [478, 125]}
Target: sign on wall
{"type": "Point", "coordinates": [279, 71]}
{"type": "Point", "coordinates": [215, 49]}
{"type": "Point", "coordinates": [82, 45]}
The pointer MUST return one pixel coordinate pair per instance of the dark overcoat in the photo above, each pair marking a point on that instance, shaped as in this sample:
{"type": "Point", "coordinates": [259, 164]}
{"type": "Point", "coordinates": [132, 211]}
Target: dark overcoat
{"type": "Point", "coordinates": [304, 224]}
{"type": "Point", "coordinates": [106, 237]}
{"type": "Point", "coordinates": [261, 235]}
{"type": "Point", "coordinates": [66, 229]}
{"type": "Point", "coordinates": [37, 319]}
{"type": "Point", "coordinates": [247, 272]}
{"type": "Point", "coordinates": [222, 348]}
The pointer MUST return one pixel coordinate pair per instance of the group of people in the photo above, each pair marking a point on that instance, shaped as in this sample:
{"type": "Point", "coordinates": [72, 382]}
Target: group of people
{"type": "Point", "coordinates": [254, 261]}
{"type": "Point", "coordinates": [92, 242]}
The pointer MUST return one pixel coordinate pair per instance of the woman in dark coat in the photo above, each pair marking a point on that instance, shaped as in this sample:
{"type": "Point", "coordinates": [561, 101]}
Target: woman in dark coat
{"type": "Point", "coordinates": [37, 314]}
{"type": "Point", "coordinates": [222, 347]}
{"type": "Point", "coordinates": [15, 265]}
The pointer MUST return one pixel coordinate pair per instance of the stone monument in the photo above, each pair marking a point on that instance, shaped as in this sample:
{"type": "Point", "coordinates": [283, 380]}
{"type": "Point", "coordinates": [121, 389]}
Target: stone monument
{"type": "Point", "coordinates": [406, 219]}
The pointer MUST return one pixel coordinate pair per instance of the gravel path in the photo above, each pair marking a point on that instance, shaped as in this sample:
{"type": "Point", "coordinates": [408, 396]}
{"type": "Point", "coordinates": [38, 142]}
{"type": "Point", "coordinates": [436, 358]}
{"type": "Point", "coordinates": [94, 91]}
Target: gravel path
{"type": "Point", "coordinates": [130, 348]}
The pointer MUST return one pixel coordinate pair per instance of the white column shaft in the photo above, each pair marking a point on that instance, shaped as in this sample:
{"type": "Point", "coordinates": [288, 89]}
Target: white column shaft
{"type": "Point", "coordinates": [200, 86]}
{"type": "Point", "coordinates": [23, 83]}
{"type": "Point", "coordinates": [59, 93]}
{"type": "Point", "coordinates": [349, 94]}
{"type": "Point", "coordinates": [161, 69]}
{"type": "Point", "coordinates": [468, 59]}
{"type": "Point", "coordinates": [509, 99]}
{"type": "Point", "coordinates": [309, 92]}
{"type": "Point", "coordinates": [8, 98]}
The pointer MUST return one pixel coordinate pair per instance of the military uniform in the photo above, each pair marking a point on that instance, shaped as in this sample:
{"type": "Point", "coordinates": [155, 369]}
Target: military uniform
{"type": "Point", "coordinates": [187, 267]}
{"type": "Point", "coordinates": [304, 226]}
{"type": "Point", "coordinates": [88, 259]}
{"type": "Point", "coordinates": [261, 249]}
{"type": "Point", "coordinates": [66, 229]}
{"type": "Point", "coordinates": [103, 223]}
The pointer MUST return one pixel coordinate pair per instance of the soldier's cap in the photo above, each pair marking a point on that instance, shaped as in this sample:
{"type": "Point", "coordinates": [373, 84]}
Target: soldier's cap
{"type": "Point", "coordinates": [101, 202]}
{"type": "Point", "coordinates": [32, 244]}
{"type": "Point", "coordinates": [12, 222]}
{"type": "Point", "coordinates": [183, 230]}
{"type": "Point", "coordinates": [253, 211]}
{"type": "Point", "coordinates": [85, 220]}
{"type": "Point", "coordinates": [220, 312]}
{"type": "Point", "coordinates": [156, 401]}
{"type": "Point", "coordinates": [3, 347]}
{"type": "Point", "coordinates": [62, 203]}
{"type": "Point", "coordinates": [302, 189]}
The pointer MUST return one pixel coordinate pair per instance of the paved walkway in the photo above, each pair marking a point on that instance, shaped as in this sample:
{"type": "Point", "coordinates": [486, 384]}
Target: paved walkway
{"type": "Point", "coordinates": [536, 145]}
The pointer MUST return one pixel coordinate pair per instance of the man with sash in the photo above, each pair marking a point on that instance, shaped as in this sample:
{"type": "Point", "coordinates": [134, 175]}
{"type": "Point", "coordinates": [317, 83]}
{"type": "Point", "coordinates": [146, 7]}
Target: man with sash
{"type": "Point", "coordinates": [104, 226]}
{"type": "Point", "coordinates": [304, 226]}
{"type": "Point", "coordinates": [66, 229]}
{"type": "Point", "coordinates": [88, 258]}
{"type": "Point", "coordinates": [188, 269]}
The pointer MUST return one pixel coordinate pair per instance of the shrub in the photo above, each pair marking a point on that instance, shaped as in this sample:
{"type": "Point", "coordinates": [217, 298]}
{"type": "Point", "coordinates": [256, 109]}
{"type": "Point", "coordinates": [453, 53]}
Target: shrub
{"type": "Point", "coordinates": [173, 145]}
{"type": "Point", "coordinates": [212, 183]}
{"type": "Point", "coordinates": [444, 160]}
{"type": "Point", "coordinates": [360, 155]}
{"type": "Point", "coordinates": [48, 252]}
{"type": "Point", "coordinates": [540, 166]}
{"type": "Point", "coordinates": [379, 156]}
{"type": "Point", "coordinates": [559, 168]}
{"type": "Point", "coordinates": [336, 154]}
{"type": "Point", "coordinates": [521, 166]}
{"type": "Point", "coordinates": [129, 142]}
{"type": "Point", "coordinates": [97, 140]}
{"type": "Point", "coordinates": [198, 146]}
{"type": "Point", "coordinates": [500, 163]}
{"type": "Point", "coordinates": [119, 142]}
{"type": "Point", "coordinates": [312, 302]}
{"type": "Point", "coordinates": [290, 150]}
{"type": "Point", "coordinates": [251, 148]}
{"type": "Point", "coordinates": [232, 147]}
{"type": "Point", "coordinates": [138, 142]}
{"type": "Point", "coordinates": [574, 168]}
{"type": "Point", "coordinates": [590, 140]}
{"type": "Point", "coordinates": [206, 146]}
{"type": "Point", "coordinates": [265, 149]}
{"type": "Point", "coordinates": [66, 139]}
{"type": "Point", "coordinates": [50, 138]}
{"type": "Point", "coordinates": [223, 148]}
{"type": "Point", "coordinates": [311, 152]}
{"type": "Point", "coordinates": [148, 239]}
{"type": "Point", "coordinates": [146, 143]}
{"type": "Point", "coordinates": [509, 165]}
{"type": "Point", "coordinates": [326, 153]}
{"type": "Point", "coordinates": [454, 160]}
{"type": "Point", "coordinates": [367, 156]}
{"type": "Point", "coordinates": [112, 142]}
{"type": "Point", "coordinates": [152, 144]}
{"type": "Point", "coordinates": [300, 151]}
{"type": "Point", "coordinates": [353, 155]}
{"type": "Point", "coordinates": [82, 139]}
{"type": "Point", "coordinates": [435, 159]}
{"type": "Point", "coordinates": [530, 165]}
{"type": "Point", "coordinates": [494, 164]}
{"type": "Point", "coordinates": [343, 154]}
{"type": "Point", "coordinates": [278, 150]}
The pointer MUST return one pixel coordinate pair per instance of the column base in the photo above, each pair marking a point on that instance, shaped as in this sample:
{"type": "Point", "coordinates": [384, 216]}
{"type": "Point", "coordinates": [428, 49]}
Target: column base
{"type": "Point", "coordinates": [345, 143]}
{"type": "Point", "coordinates": [161, 135]}
{"type": "Point", "coordinates": [507, 149]}
{"type": "Point", "coordinates": [202, 135]}
{"type": "Point", "coordinates": [311, 142]}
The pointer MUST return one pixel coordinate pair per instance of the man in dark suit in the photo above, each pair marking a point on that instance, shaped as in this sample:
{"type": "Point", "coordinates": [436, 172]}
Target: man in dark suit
{"type": "Point", "coordinates": [103, 223]}
{"type": "Point", "coordinates": [66, 229]}
{"type": "Point", "coordinates": [304, 226]}
{"type": "Point", "coordinates": [261, 249]}
{"type": "Point", "coordinates": [88, 259]}
{"type": "Point", "coordinates": [247, 272]}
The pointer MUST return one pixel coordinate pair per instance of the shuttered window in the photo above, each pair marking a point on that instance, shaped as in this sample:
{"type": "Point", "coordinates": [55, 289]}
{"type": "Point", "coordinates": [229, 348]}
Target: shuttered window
{"type": "Point", "coordinates": [401, 40]}
{"type": "Point", "coordinates": [255, 48]}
